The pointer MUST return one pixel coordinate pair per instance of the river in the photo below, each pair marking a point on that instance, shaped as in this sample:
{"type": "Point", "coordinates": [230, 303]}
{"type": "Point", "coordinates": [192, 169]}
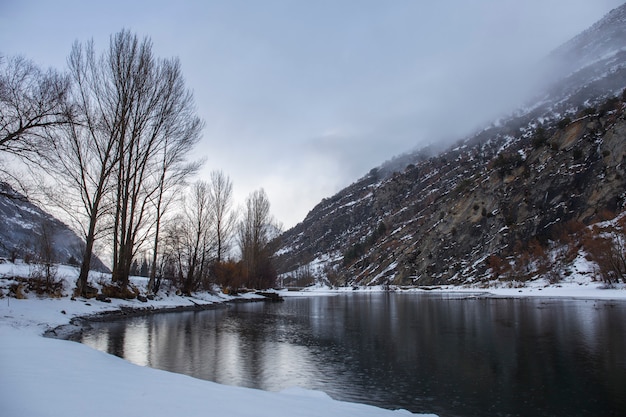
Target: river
{"type": "Point", "coordinates": [449, 354]}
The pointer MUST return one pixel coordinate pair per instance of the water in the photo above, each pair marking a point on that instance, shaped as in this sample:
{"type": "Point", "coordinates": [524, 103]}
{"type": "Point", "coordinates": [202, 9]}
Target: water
{"type": "Point", "coordinates": [440, 353]}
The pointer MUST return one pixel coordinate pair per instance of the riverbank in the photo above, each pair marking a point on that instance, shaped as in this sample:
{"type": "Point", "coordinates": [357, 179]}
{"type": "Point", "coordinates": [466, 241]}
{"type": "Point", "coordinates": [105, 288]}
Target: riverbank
{"type": "Point", "coordinates": [45, 377]}
{"type": "Point", "coordinates": [50, 377]}
{"type": "Point", "coordinates": [577, 286]}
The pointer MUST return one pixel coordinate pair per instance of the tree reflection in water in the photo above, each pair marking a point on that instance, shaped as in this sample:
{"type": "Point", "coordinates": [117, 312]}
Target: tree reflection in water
{"type": "Point", "coordinates": [444, 353]}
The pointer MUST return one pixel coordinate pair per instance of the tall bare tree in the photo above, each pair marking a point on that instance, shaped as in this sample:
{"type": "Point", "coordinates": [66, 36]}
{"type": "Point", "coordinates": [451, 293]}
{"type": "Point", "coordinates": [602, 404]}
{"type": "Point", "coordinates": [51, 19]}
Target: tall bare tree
{"type": "Point", "coordinates": [256, 229]}
{"type": "Point", "coordinates": [222, 214]}
{"type": "Point", "coordinates": [83, 159]}
{"type": "Point", "coordinates": [173, 172]}
{"type": "Point", "coordinates": [133, 113]}
{"type": "Point", "coordinates": [157, 109]}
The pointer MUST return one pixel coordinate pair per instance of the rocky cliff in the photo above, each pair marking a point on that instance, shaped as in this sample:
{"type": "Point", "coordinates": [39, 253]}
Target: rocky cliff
{"type": "Point", "coordinates": [516, 184]}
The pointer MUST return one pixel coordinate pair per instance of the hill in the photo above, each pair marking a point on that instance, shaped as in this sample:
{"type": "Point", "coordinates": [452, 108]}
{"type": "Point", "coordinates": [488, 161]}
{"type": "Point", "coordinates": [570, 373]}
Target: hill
{"type": "Point", "coordinates": [27, 232]}
{"type": "Point", "coordinates": [499, 201]}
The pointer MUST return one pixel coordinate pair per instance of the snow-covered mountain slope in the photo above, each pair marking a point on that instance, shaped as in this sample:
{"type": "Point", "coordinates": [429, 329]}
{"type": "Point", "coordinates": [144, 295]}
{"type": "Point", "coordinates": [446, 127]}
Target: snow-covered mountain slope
{"type": "Point", "coordinates": [441, 219]}
{"type": "Point", "coordinates": [585, 70]}
{"type": "Point", "coordinates": [27, 232]}
{"type": "Point", "coordinates": [601, 42]}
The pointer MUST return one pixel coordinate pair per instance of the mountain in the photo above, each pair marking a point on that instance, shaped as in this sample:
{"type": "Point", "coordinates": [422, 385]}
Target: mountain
{"type": "Point", "coordinates": [514, 188]}
{"type": "Point", "coordinates": [26, 231]}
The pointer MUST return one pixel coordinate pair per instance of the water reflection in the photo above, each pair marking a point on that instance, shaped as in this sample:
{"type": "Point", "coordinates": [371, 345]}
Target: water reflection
{"type": "Point", "coordinates": [426, 353]}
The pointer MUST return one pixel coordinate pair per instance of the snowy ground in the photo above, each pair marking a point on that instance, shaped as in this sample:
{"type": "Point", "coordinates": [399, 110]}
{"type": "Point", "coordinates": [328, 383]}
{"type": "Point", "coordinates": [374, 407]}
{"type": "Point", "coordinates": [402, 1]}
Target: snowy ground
{"type": "Point", "coordinates": [50, 377]}
{"type": "Point", "coordinates": [580, 289]}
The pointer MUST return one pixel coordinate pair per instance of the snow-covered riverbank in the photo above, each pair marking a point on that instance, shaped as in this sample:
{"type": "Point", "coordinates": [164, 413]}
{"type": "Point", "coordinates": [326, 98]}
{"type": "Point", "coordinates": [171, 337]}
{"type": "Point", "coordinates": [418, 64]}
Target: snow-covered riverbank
{"type": "Point", "coordinates": [47, 377]}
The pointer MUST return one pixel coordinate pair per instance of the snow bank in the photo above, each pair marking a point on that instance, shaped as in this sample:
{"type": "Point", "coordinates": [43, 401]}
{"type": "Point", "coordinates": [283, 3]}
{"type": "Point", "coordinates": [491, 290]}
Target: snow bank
{"type": "Point", "coordinates": [50, 377]}
{"type": "Point", "coordinates": [47, 377]}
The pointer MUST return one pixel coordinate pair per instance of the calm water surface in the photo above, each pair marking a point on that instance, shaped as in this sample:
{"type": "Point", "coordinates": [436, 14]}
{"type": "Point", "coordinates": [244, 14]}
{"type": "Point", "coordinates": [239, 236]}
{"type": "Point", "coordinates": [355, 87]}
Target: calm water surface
{"type": "Point", "coordinates": [440, 353]}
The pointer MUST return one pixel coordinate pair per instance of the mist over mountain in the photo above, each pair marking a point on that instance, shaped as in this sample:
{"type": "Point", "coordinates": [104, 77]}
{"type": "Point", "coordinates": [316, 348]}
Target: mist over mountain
{"type": "Point", "coordinates": [587, 69]}
{"type": "Point", "coordinates": [439, 216]}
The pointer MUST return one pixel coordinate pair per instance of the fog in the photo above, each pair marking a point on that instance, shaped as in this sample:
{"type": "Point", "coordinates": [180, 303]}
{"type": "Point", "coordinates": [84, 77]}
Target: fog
{"type": "Point", "coordinates": [303, 98]}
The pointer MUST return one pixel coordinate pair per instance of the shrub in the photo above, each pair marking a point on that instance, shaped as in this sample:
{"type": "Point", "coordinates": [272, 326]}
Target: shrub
{"type": "Point", "coordinates": [463, 185]}
{"type": "Point", "coordinates": [609, 105]}
{"type": "Point", "coordinates": [539, 138]}
{"type": "Point", "coordinates": [589, 111]}
{"type": "Point", "coordinates": [124, 292]}
{"type": "Point", "coordinates": [228, 275]}
{"type": "Point", "coordinates": [606, 248]}
{"type": "Point", "coordinates": [43, 280]}
{"type": "Point", "coordinates": [506, 163]}
{"type": "Point", "coordinates": [564, 122]}
{"type": "Point", "coordinates": [17, 291]}
{"type": "Point", "coordinates": [497, 265]}
{"type": "Point", "coordinates": [356, 251]}
{"type": "Point", "coordinates": [73, 261]}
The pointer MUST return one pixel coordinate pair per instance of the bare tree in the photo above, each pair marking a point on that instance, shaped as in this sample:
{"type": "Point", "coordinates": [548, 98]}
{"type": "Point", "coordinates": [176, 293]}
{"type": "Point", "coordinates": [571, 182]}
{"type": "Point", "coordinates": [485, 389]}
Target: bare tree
{"type": "Point", "coordinates": [188, 238]}
{"type": "Point", "coordinates": [83, 159]}
{"type": "Point", "coordinates": [222, 214]}
{"type": "Point", "coordinates": [132, 114]}
{"type": "Point", "coordinates": [31, 103]}
{"type": "Point", "coordinates": [256, 229]}
{"type": "Point", "coordinates": [199, 238]}
{"type": "Point", "coordinates": [171, 176]}
{"type": "Point", "coordinates": [156, 109]}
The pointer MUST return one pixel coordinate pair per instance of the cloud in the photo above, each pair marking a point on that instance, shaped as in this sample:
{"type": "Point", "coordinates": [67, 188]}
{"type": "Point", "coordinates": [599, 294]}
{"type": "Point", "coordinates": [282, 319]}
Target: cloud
{"type": "Point", "coordinates": [302, 98]}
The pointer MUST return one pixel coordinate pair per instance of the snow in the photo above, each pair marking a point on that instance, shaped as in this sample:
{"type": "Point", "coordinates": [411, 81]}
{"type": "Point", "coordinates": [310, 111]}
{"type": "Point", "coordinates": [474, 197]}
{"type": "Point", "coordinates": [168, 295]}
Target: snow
{"type": "Point", "coordinates": [539, 288]}
{"type": "Point", "coordinates": [354, 202]}
{"type": "Point", "coordinates": [47, 377]}
{"type": "Point", "coordinates": [576, 290]}
{"type": "Point", "coordinates": [51, 377]}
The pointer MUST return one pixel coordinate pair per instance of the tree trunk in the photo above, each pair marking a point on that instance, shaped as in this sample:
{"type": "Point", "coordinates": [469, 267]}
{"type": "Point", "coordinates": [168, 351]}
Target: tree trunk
{"type": "Point", "coordinates": [81, 283]}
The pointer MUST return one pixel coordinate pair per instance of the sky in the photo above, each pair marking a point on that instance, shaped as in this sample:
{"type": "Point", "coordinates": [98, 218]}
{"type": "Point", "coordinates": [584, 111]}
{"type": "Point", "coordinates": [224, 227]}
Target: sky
{"type": "Point", "coordinates": [302, 98]}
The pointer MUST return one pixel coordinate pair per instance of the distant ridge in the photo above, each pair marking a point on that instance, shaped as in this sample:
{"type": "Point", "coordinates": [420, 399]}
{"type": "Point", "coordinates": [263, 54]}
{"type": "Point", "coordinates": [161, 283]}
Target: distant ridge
{"type": "Point", "coordinates": [21, 227]}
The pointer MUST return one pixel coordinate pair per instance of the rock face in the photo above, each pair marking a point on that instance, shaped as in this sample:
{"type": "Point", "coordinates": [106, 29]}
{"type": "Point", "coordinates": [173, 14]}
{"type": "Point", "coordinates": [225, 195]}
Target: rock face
{"type": "Point", "coordinates": [440, 219]}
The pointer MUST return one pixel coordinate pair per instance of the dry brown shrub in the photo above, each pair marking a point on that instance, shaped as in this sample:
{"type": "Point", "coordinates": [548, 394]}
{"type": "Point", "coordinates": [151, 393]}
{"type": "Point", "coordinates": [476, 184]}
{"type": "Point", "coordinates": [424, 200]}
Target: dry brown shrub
{"type": "Point", "coordinates": [114, 291]}
{"type": "Point", "coordinates": [228, 274]}
{"type": "Point", "coordinates": [498, 265]}
{"type": "Point", "coordinates": [17, 291]}
{"type": "Point", "coordinates": [605, 247]}
{"type": "Point", "coordinates": [46, 286]}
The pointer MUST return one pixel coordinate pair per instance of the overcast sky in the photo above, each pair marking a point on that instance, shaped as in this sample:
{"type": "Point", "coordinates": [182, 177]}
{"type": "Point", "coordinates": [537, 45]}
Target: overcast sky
{"type": "Point", "coordinates": [304, 97]}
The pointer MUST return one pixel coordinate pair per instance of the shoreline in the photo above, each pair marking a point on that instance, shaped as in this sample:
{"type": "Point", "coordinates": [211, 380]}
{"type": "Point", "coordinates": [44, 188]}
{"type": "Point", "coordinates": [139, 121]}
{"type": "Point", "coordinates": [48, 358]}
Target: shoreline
{"type": "Point", "coordinates": [38, 351]}
{"type": "Point", "coordinates": [560, 291]}
{"type": "Point", "coordinates": [73, 329]}
{"type": "Point", "coordinates": [57, 368]}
